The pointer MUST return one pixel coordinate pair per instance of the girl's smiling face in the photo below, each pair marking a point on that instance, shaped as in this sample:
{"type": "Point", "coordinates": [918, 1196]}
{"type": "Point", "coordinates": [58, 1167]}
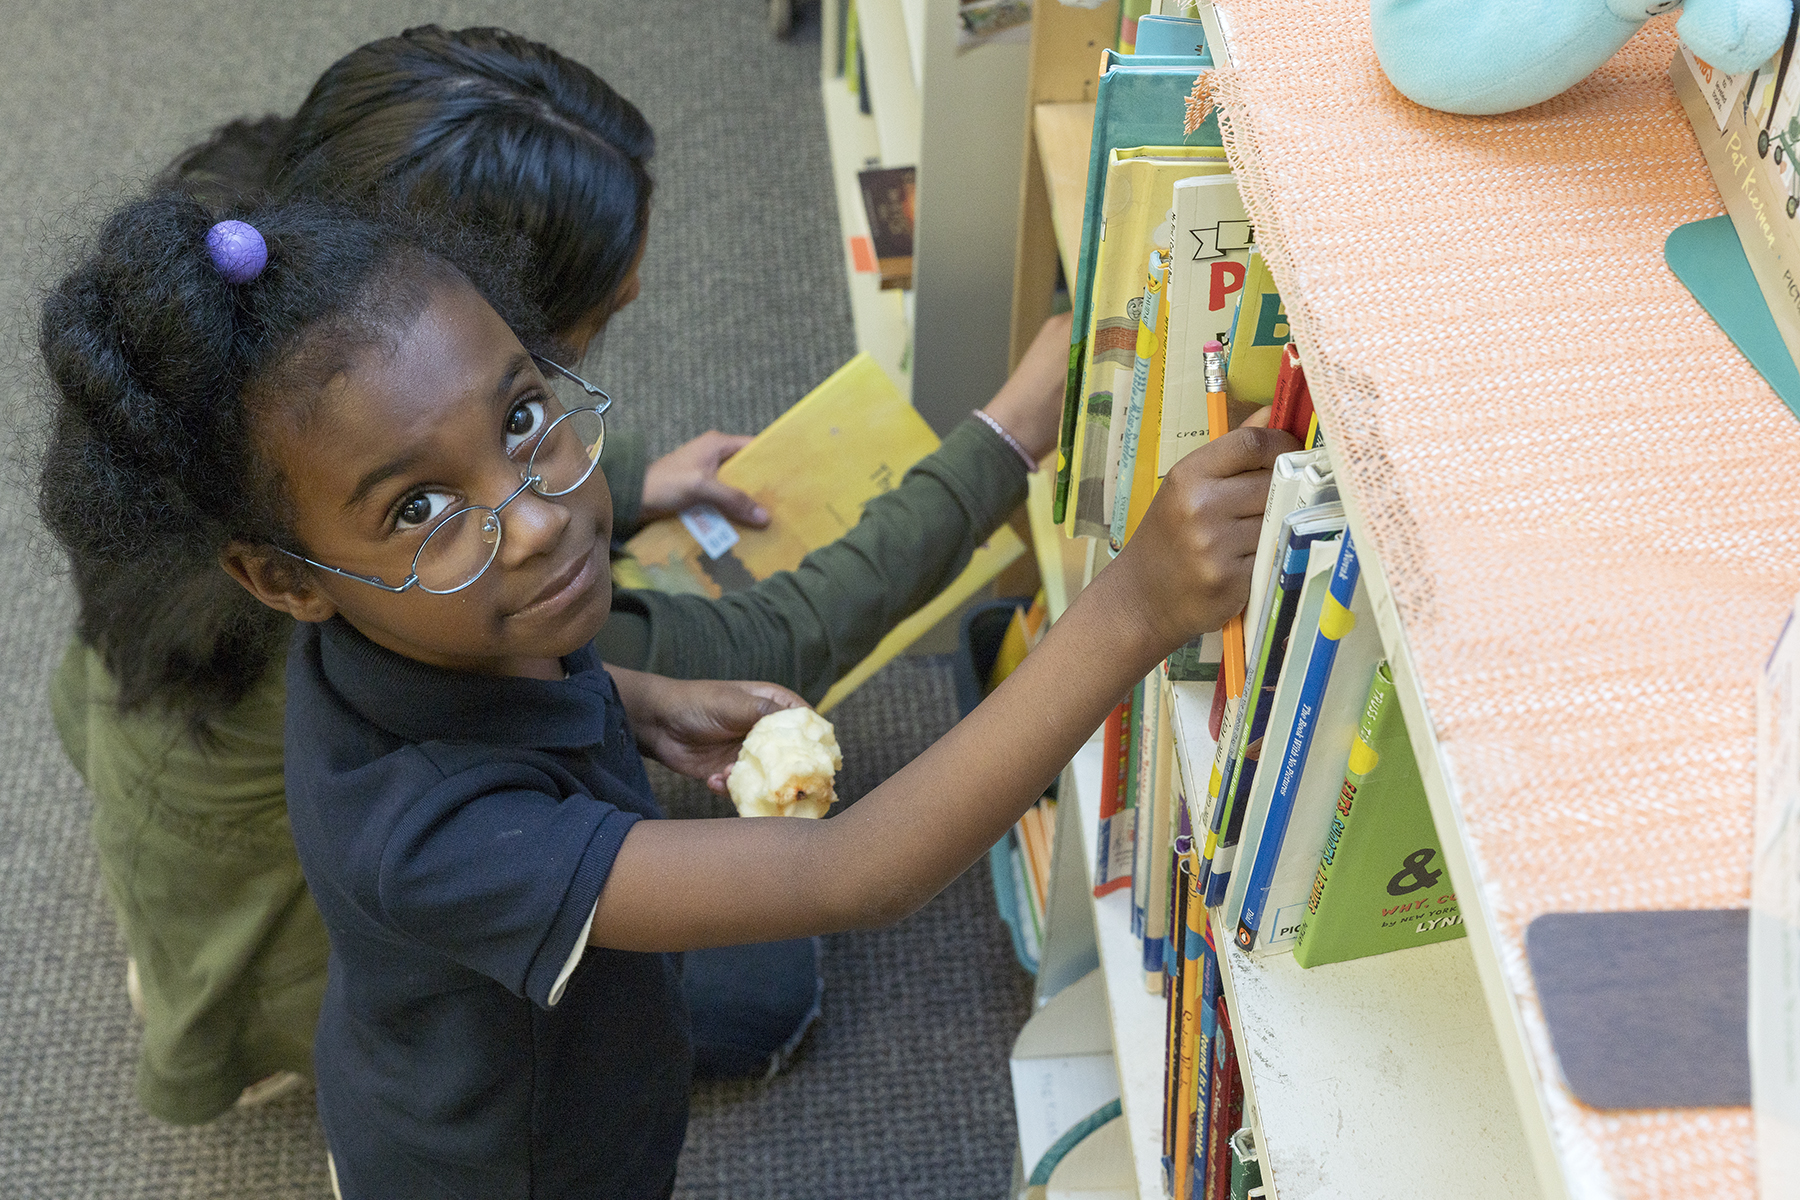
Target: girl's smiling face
{"type": "Point", "coordinates": [408, 434]}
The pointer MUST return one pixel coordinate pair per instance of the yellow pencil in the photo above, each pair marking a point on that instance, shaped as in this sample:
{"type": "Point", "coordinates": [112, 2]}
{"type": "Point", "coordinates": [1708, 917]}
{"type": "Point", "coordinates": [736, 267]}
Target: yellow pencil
{"type": "Point", "coordinates": [1218, 419]}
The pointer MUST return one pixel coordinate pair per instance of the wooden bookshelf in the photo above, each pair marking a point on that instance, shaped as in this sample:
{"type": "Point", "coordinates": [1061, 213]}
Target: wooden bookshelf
{"type": "Point", "coordinates": [1381, 1076]}
{"type": "Point", "coordinates": [1063, 132]}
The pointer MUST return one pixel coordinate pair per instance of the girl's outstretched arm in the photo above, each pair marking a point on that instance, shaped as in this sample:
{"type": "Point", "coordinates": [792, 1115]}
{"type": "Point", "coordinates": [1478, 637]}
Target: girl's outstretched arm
{"type": "Point", "coordinates": [683, 884]}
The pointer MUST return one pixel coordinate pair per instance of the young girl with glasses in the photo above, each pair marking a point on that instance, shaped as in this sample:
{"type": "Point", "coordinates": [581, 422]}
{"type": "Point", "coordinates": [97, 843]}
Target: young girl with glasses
{"type": "Point", "coordinates": [503, 1014]}
{"type": "Point", "coordinates": [170, 699]}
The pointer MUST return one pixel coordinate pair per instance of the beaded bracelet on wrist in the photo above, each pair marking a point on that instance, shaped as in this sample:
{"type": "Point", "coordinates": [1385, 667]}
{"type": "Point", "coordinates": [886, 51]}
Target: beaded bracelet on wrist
{"type": "Point", "coordinates": [1009, 439]}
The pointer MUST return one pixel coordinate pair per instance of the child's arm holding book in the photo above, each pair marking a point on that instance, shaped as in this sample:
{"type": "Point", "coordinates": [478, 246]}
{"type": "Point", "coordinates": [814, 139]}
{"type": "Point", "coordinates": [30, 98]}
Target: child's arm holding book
{"type": "Point", "coordinates": [677, 885]}
{"type": "Point", "coordinates": [807, 628]}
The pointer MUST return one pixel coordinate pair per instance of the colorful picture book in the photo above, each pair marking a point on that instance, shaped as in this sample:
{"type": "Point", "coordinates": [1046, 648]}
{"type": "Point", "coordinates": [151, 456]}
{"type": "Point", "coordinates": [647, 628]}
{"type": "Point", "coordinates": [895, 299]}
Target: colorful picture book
{"type": "Point", "coordinates": [1310, 773]}
{"type": "Point", "coordinates": [1135, 105]}
{"type": "Point", "coordinates": [1381, 883]}
{"type": "Point", "coordinates": [1304, 539]}
{"type": "Point", "coordinates": [1238, 827]}
{"type": "Point", "coordinates": [1139, 184]}
{"type": "Point", "coordinates": [1259, 331]}
{"type": "Point", "coordinates": [1748, 126]}
{"type": "Point", "coordinates": [1209, 256]}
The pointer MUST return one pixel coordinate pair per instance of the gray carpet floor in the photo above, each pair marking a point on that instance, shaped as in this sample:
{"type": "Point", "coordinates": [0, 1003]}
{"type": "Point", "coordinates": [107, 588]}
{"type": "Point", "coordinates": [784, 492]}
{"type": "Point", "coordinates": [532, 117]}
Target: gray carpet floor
{"type": "Point", "coordinates": [902, 1090]}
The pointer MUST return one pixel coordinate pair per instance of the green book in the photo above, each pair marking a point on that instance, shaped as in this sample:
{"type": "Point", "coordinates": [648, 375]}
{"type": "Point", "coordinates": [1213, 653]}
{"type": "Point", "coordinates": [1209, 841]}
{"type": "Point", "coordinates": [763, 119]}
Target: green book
{"type": "Point", "coordinates": [1381, 883]}
{"type": "Point", "coordinates": [1246, 1170]}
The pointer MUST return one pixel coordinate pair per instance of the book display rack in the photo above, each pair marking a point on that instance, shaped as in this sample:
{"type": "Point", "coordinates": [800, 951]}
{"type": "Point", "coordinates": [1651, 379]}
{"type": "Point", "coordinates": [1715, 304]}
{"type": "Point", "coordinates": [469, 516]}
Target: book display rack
{"type": "Point", "coordinates": [1494, 392]}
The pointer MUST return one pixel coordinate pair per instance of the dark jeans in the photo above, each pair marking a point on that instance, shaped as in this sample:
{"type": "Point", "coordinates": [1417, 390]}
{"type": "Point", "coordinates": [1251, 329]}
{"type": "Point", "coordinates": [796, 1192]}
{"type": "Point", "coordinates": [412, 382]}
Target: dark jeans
{"type": "Point", "coordinates": [750, 1005]}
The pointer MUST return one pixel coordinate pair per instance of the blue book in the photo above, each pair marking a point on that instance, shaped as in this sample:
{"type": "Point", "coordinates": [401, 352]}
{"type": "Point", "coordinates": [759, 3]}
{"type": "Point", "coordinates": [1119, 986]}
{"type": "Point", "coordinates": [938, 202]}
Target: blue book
{"type": "Point", "coordinates": [1299, 530]}
{"type": "Point", "coordinates": [1138, 103]}
{"type": "Point", "coordinates": [1169, 36]}
{"type": "Point", "coordinates": [1336, 621]}
{"type": "Point", "coordinates": [1203, 1053]}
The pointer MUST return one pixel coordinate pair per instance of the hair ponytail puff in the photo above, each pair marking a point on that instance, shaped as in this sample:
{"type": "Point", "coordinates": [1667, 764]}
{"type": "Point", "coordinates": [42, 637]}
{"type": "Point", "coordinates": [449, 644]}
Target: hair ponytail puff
{"type": "Point", "coordinates": [161, 368]}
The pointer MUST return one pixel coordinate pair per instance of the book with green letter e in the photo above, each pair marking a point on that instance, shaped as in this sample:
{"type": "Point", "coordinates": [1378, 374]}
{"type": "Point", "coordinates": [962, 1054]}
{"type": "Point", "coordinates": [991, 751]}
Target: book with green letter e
{"type": "Point", "coordinates": [1381, 883]}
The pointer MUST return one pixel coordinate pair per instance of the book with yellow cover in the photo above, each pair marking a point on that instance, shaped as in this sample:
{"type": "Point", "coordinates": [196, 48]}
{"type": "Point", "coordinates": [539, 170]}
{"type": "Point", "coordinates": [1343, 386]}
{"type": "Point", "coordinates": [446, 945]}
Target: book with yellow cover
{"type": "Point", "coordinates": [1257, 336]}
{"type": "Point", "coordinates": [1140, 184]}
{"type": "Point", "coordinates": [814, 468]}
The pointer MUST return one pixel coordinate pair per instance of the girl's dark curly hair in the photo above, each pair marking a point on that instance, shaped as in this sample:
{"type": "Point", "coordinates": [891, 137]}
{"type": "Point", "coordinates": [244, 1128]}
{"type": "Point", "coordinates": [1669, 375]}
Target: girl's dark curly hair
{"type": "Point", "coordinates": [480, 122]}
{"type": "Point", "coordinates": [162, 370]}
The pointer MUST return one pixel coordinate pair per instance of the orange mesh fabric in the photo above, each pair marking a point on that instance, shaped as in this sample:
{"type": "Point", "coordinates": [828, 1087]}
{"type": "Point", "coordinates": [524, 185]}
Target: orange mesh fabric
{"type": "Point", "coordinates": [1577, 488]}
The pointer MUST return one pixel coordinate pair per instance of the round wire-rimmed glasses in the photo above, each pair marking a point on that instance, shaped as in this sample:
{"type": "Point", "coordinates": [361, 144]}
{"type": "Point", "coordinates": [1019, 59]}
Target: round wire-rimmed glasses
{"type": "Point", "coordinates": [558, 459]}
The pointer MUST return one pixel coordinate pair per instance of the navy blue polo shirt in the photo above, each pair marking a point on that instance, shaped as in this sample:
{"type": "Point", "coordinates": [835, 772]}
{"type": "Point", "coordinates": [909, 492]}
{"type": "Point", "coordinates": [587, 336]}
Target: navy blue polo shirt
{"type": "Point", "coordinates": [456, 831]}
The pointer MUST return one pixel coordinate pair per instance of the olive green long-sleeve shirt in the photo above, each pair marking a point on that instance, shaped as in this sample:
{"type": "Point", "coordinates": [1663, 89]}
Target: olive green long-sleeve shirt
{"type": "Point", "coordinates": [194, 843]}
{"type": "Point", "coordinates": [808, 627]}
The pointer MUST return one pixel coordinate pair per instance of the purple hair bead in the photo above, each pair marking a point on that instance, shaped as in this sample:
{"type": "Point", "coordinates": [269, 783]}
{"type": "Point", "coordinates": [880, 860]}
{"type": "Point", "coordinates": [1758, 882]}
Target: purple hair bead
{"type": "Point", "coordinates": [237, 250]}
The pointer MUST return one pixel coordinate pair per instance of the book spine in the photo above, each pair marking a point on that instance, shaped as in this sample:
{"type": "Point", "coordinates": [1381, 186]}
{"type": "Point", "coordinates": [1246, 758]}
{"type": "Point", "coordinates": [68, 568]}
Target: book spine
{"type": "Point", "coordinates": [1112, 735]}
{"type": "Point", "coordinates": [1144, 791]}
{"type": "Point", "coordinates": [1362, 758]}
{"type": "Point", "coordinates": [1121, 828]}
{"type": "Point", "coordinates": [1172, 1043]}
{"type": "Point", "coordinates": [1334, 622]}
{"type": "Point", "coordinates": [1285, 600]}
{"type": "Point", "coordinates": [1150, 307]}
{"type": "Point", "coordinates": [1281, 409]}
{"type": "Point", "coordinates": [1167, 795]}
{"type": "Point", "coordinates": [1031, 931]}
{"type": "Point", "coordinates": [1035, 832]}
{"type": "Point", "coordinates": [1246, 1166]}
{"type": "Point", "coordinates": [1227, 1110]}
{"type": "Point", "coordinates": [1191, 987]}
{"type": "Point", "coordinates": [1184, 852]}
{"type": "Point", "coordinates": [1065, 438]}
{"type": "Point", "coordinates": [1215, 714]}
{"type": "Point", "coordinates": [1207, 841]}
{"type": "Point", "coordinates": [1304, 420]}
{"type": "Point", "coordinates": [1211, 994]}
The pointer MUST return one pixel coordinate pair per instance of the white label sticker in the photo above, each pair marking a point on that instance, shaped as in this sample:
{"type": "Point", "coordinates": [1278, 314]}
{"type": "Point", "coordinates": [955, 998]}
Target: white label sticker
{"type": "Point", "coordinates": [710, 528]}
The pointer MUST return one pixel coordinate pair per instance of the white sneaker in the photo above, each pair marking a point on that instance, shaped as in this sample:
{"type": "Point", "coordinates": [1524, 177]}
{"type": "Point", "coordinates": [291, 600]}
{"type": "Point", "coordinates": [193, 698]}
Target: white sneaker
{"type": "Point", "coordinates": [134, 988]}
{"type": "Point", "coordinates": [271, 1087]}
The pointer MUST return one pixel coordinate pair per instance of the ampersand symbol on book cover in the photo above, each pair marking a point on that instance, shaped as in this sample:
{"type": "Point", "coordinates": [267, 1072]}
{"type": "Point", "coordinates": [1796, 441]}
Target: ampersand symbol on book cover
{"type": "Point", "coordinates": [1417, 872]}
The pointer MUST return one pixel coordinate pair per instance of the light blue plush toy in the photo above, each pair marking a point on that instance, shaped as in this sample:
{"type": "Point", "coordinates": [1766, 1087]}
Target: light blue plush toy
{"type": "Point", "coordinates": [1489, 56]}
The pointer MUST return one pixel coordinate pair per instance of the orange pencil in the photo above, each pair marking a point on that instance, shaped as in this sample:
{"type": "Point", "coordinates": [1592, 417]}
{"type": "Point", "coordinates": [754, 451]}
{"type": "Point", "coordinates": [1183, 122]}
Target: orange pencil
{"type": "Point", "coordinates": [1218, 418]}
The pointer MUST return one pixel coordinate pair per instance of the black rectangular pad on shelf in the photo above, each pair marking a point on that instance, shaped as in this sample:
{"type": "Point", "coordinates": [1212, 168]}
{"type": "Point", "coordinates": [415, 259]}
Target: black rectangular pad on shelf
{"type": "Point", "coordinates": [1647, 1009]}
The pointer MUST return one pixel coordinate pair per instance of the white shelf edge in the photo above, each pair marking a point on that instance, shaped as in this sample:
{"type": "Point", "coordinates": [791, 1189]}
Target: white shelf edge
{"type": "Point", "coordinates": [1528, 1085]}
{"type": "Point", "coordinates": [879, 316]}
{"type": "Point", "coordinates": [1138, 1018]}
{"type": "Point", "coordinates": [893, 90]}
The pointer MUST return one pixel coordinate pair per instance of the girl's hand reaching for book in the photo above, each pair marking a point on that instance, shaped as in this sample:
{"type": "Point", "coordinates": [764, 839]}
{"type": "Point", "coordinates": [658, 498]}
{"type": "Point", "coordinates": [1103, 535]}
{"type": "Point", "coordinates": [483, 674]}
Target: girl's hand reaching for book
{"type": "Point", "coordinates": [694, 727]}
{"type": "Point", "coordinates": [689, 475]}
{"type": "Point", "coordinates": [1186, 570]}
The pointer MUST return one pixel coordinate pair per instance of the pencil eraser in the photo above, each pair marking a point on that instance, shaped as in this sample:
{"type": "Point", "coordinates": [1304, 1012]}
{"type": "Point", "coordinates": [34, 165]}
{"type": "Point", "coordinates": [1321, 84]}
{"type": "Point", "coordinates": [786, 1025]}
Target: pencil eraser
{"type": "Point", "coordinates": [1213, 347]}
